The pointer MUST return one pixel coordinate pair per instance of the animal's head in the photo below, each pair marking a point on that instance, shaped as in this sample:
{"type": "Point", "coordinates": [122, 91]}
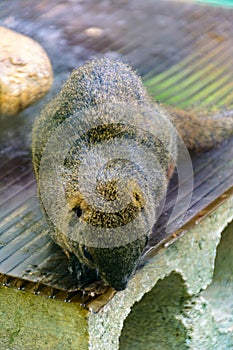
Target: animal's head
{"type": "Point", "coordinates": [111, 216]}
{"type": "Point", "coordinates": [115, 236]}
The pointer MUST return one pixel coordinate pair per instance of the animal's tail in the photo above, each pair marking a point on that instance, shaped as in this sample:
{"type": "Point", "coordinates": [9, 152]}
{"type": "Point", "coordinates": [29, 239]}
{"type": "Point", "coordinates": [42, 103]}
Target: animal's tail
{"type": "Point", "coordinates": [202, 79]}
{"type": "Point", "coordinates": [200, 131]}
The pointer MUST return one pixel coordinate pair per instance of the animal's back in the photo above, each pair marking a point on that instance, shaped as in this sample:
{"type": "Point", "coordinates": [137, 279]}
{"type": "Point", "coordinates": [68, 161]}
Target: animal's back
{"type": "Point", "coordinates": [97, 83]}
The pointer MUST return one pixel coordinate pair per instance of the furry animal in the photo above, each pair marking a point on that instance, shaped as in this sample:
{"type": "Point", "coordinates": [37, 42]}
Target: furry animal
{"type": "Point", "coordinates": [103, 153]}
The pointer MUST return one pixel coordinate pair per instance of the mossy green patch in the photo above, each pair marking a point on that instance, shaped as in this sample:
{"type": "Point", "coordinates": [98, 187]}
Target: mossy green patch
{"type": "Point", "coordinates": [32, 322]}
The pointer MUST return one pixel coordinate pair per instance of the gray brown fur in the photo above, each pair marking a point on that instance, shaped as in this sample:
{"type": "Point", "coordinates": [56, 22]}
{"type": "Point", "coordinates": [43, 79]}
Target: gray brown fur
{"type": "Point", "coordinates": [202, 130]}
{"type": "Point", "coordinates": [97, 89]}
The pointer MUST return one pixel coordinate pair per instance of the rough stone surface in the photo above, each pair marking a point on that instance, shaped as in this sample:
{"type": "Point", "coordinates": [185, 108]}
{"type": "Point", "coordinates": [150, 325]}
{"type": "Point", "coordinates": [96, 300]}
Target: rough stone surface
{"type": "Point", "coordinates": [192, 260]}
{"type": "Point", "coordinates": [219, 293]}
{"type": "Point", "coordinates": [25, 72]}
{"type": "Point", "coordinates": [29, 322]}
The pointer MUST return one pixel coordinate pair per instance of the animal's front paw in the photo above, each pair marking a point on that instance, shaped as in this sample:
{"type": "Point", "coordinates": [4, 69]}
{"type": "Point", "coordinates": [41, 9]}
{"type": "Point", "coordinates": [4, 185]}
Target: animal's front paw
{"type": "Point", "coordinates": [81, 272]}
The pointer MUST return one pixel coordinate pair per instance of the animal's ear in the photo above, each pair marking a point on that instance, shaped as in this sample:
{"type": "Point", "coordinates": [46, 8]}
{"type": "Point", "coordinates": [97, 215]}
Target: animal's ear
{"type": "Point", "coordinates": [137, 199]}
{"type": "Point", "coordinates": [137, 195]}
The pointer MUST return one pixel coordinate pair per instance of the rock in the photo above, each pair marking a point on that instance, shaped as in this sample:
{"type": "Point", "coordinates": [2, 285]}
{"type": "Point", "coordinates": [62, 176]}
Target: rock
{"type": "Point", "coordinates": [25, 72]}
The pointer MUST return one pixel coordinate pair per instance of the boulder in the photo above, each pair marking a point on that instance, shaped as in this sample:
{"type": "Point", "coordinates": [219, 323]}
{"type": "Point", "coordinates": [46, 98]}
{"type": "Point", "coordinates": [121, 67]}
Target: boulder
{"type": "Point", "coordinates": [25, 72]}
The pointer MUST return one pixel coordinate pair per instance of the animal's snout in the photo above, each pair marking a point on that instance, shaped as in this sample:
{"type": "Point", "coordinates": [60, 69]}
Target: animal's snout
{"type": "Point", "coordinates": [120, 285]}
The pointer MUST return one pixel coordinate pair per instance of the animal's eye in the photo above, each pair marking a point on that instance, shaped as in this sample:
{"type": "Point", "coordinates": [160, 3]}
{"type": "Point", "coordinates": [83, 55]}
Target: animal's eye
{"type": "Point", "coordinates": [78, 211]}
{"type": "Point", "coordinates": [87, 254]}
{"type": "Point", "coordinates": [136, 196]}
{"type": "Point", "coordinates": [138, 200]}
